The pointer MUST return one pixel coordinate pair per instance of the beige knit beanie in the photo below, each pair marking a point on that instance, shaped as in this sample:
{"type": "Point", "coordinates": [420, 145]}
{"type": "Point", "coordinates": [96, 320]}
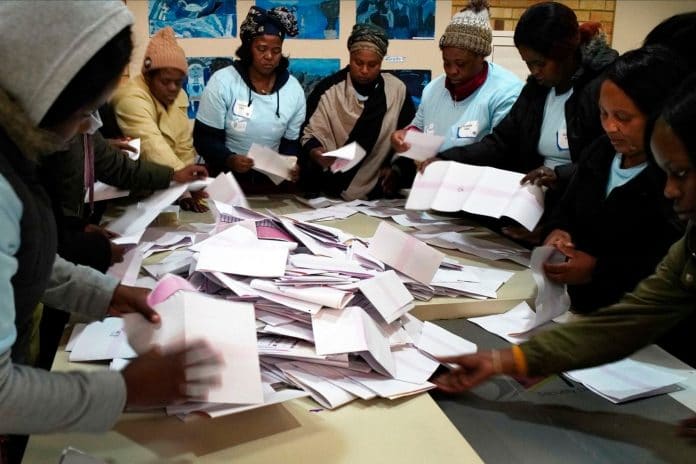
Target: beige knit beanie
{"type": "Point", "coordinates": [164, 52]}
{"type": "Point", "coordinates": [470, 29]}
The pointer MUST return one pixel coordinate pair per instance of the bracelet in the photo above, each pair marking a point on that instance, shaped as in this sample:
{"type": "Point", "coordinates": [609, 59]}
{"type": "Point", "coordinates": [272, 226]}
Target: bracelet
{"type": "Point", "coordinates": [520, 360]}
{"type": "Point", "coordinates": [497, 362]}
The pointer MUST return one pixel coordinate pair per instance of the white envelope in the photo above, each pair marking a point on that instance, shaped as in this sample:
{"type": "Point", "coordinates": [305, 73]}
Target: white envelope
{"type": "Point", "coordinates": [405, 253]}
{"type": "Point", "coordinates": [347, 157]}
{"type": "Point", "coordinates": [226, 189]}
{"type": "Point", "coordinates": [439, 342]}
{"type": "Point", "coordinates": [227, 326]}
{"type": "Point", "coordinates": [271, 162]}
{"type": "Point", "coordinates": [262, 259]}
{"type": "Point", "coordinates": [137, 217]}
{"type": "Point", "coordinates": [102, 340]}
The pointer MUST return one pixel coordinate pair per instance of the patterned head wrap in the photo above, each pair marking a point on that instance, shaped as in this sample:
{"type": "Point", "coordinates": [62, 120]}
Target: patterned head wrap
{"type": "Point", "coordinates": [368, 37]}
{"type": "Point", "coordinates": [278, 21]}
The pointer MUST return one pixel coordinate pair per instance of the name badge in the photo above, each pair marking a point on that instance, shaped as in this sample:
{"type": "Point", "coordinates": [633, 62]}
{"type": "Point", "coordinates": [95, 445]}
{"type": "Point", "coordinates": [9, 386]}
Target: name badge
{"type": "Point", "coordinates": [468, 130]}
{"type": "Point", "coordinates": [239, 125]}
{"type": "Point", "coordinates": [430, 129]}
{"type": "Point", "coordinates": [242, 109]}
{"type": "Point", "coordinates": [562, 139]}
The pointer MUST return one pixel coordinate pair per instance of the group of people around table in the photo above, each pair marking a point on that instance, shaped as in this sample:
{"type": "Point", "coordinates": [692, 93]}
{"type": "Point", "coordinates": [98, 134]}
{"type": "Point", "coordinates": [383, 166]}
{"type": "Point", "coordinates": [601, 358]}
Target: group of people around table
{"type": "Point", "coordinates": [609, 137]}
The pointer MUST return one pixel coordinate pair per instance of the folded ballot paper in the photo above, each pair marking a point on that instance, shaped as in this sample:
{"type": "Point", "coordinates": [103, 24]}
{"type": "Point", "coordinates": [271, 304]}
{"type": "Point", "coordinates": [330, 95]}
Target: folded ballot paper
{"type": "Point", "coordinates": [267, 161]}
{"type": "Point", "coordinates": [346, 157]}
{"type": "Point", "coordinates": [228, 326]}
{"type": "Point", "coordinates": [225, 189]}
{"type": "Point", "coordinates": [423, 146]}
{"type": "Point", "coordinates": [451, 186]}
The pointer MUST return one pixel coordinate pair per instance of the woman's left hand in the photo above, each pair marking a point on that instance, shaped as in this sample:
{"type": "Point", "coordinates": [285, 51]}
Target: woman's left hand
{"type": "Point", "coordinates": [577, 269]}
{"type": "Point", "coordinates": [128, 299]}
{"type": "Point", "coordinates": [295, 173]}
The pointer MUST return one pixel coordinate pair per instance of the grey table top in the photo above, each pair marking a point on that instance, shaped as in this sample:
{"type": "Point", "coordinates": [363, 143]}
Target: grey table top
{"type": "Point", "coordinates": [559, 421]}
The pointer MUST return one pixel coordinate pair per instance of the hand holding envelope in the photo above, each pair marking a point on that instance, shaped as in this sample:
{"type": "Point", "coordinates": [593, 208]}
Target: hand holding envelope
{"type": "Point", "coordinates": [276, 166]}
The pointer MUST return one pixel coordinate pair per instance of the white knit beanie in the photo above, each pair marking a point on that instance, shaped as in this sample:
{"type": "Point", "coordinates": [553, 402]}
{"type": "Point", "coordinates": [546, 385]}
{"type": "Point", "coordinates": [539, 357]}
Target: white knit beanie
{"type": "Point", "coordinates": [46, 42]}
{"type": "Point", "coordinates": [470, 29]}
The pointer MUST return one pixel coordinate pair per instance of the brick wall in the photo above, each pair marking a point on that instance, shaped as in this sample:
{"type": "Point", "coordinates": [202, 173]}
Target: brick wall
{"type": "Point", "coordinates": [505, 13]}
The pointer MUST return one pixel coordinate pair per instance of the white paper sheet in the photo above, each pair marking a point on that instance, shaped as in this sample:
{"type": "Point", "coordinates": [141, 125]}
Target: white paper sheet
{"type": "Point", "coordinates": [347, 157]}
{"type": "Point", "coordinates": [137, 217]}
{"type": "Point", "coordinates": [552, 299]}
{"type": "Point", "coordinates": [226, 189]}
{"type": "Point", "coordinates": [405, 253]}
{"type": "Point", "coordinates": [271, 162]}
{"type": "Point", "coordinates": [101, 340]}
{"type": "Point", "coordinates": [228, 326]}
{"type": "Point", "coordinates": [423, 146]}
{"type": "Point", "coordinates": [439, 342]}
{"type": "Point", "coordinates": [388, 295]}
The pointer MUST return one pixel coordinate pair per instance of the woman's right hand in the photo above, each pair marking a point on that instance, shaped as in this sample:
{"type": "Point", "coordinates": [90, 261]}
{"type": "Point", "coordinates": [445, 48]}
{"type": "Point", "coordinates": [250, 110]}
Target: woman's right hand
{"type": "Point", "coordinates": [240, 163]}
{"type": "Point", "coordinates": [398, 142]}
{"type": "Point", "coordinates": [317, 155]}
{"type": "Point", "coordinates": [541, 176]}
{"type": "Point", "coordinates": [424, 164]}
{"type": "Point", "coordinates": [158, 378]}
{"type": "Point", "coordinates": [558, 237]}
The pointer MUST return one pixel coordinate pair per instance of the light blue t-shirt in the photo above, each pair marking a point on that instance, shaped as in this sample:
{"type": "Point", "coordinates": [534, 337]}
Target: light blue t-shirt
{"type": "Point", "coordinates": [618, 176]}
{"type": "Point", "coordinates": [248, 117]}
{"type": "Point", "coordinates": [553, 140]}
{"type": "Point", "coordinates": [10, 216]}
{"type": "Point", "coordinates": [471, 119]}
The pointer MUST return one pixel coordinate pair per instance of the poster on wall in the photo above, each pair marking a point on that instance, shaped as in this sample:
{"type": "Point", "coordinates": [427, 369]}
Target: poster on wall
{"type": "Point", "coordinates": [194, 18]}
{"type": "Point", "coordinates": [316, 19]}
{"type": "Point", "coordinates": [309, 71]}
{"type": "Point", "coordinates": [415, 80]}
{"type": "Point", "coordinates": [402, 19]}
{"type": "Point", "coordinates": [200, 68]}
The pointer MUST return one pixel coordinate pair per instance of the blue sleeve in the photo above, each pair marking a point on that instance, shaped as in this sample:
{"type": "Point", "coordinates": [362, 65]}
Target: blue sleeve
{"type": "Point", "coordinates": [215, 101]}
{"type": "Point", "coordinates": [292, 132]}
{"type": "Point", "coordinates": [10, 215]}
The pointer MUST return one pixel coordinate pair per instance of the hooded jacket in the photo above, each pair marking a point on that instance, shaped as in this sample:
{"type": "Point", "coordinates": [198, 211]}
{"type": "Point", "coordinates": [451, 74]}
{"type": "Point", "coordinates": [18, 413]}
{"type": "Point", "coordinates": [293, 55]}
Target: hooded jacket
{"type": "Point", "coordinates": [513, 143]}
{"type": "Point", "coordinates": [36, 68]}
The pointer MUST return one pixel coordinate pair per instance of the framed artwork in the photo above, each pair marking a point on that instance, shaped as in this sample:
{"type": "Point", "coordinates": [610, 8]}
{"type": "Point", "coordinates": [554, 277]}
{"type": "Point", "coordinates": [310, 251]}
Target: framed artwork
{"type": "Point", "coordinates": [316, 19]}
{"type": "Point", "coordinates": [415, 80]}
{"type": "Point", "coordinates": [309, 71]}
{"type": "Point", "coordinates": [194, 18]}
{"type": "Point", "coordinates": [200, 68]}
{"type": "Point", "coordinates": [402, 19]}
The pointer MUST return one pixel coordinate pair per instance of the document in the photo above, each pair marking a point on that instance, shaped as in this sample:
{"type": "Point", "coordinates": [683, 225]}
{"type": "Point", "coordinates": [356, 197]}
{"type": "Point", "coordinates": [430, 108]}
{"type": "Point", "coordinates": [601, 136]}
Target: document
{"type": "Point", "coordinates": [405, 253]}
{"type": "Point", "coordinates": [228, 326]}
{"type": "Point", "coordinates": [516, 325]}
{"type": "Point", "coordinates": [352, 330]}
{"type": "Point", "coordinates": [626, 380]}
{"type": "Point", "coordinates": [104, 191]}
{"type": "Point", "coordinates": [321, 295]}
{"type": "Point", "coordinates": [137, 217]}
{"type": "Point", "coordinates": [388, 295]}
{"type": "Point", "coordinates": [452, 186]}
{"type": "Point", "coordinates": [347, 157]}
{"type": "Point", "coordinates": [423, 146]}
{"type": "Point", "coordinates": [226, 190]}
{"type": "Point", "coordinates": [271, 162]}
{"type": "Point", "coordinates": [552, 298]}
{"type": "Point", "coordinates": [102, 340]}
{"type": "Point", "coordinates": [326, 393]}
{"type": "Point", "coordinates": [438, 342]}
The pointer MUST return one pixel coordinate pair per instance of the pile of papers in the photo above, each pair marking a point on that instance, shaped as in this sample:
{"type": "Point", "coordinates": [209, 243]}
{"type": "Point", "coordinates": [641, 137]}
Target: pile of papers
{"type": "Point", "coordinates": [296, 308]}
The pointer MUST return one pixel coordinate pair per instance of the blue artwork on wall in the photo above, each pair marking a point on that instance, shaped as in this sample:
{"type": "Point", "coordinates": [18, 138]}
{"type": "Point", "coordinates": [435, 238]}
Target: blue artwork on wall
{"type": "Point", "coordinates": [316, 19]}
{"type": "Point", "coordinates": [194, 18]}
{"type": "Point", "coordinates": [200, 68]}
{"type": "Point", "coordinates": [402, 19]}
{"type": "Point", "coordinates": [415, 80]}
{"type": "Point", "coordinates": [309, 71]}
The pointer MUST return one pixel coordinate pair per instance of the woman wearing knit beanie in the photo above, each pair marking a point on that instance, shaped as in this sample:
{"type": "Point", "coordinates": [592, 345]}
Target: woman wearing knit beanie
{"type": "Point", "coordinates": [153, 107]}
{"type": "Point", "coordinates": [255, 100]}
{"type": "Point", "coordinates": [473, 96]}
{"type": "Point", "coordinates": [357, 104]}
{"type": "Point", "coordinates": [57, 74]}
{"type": "Point", "coordinates": [556, 115]}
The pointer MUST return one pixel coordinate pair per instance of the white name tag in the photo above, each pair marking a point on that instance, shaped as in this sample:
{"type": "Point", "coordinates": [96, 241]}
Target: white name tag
{"type": "Point", "coordinates": [242, 109]}
{"type": "Point", "coordinates": [430, 129]}
{"type": "Point", "coordinates": [562, 139]}
{"type": "Point", "coordinates": [468, 130]}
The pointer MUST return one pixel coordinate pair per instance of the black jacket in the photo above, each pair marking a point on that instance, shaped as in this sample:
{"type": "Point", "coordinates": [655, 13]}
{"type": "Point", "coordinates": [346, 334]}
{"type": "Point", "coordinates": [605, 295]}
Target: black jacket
{"type": "Point", "coordinates": [513, 143]}
{"type": "Point", "coordinates": [628, 232]}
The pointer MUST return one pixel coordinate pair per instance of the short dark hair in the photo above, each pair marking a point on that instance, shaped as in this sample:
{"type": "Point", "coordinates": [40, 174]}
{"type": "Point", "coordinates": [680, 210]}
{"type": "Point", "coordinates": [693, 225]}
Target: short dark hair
{"type": "Point", "coordinates": [680, 114]}
{"type": "Point", "coordinates": [95, 76]}
{"type": "Point", "coordinates": [246, 58]}
{"type": "Point", "coordinates": [647, 75]}
{"type": "Point", "coordinates": [548, 28]}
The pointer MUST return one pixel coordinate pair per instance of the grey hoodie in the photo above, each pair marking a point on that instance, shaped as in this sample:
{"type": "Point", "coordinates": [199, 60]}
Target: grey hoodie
{"type": "Point", "coordinates": [44, 44]}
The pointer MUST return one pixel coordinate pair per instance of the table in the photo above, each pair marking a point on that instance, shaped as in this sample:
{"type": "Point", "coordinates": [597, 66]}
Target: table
{"type": "Point", "coordinates": [561, 421]}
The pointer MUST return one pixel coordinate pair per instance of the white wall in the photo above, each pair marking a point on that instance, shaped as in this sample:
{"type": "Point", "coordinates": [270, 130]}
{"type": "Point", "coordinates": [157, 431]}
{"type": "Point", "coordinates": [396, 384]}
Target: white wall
{"type": "Point", "coordinates": [635, 18]}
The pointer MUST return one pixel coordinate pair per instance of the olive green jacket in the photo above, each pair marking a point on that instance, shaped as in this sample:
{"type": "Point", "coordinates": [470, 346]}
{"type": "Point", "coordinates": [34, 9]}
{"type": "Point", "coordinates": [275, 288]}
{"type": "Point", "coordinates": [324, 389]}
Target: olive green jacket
{"type": "Point", "coordinates": [657, 304]}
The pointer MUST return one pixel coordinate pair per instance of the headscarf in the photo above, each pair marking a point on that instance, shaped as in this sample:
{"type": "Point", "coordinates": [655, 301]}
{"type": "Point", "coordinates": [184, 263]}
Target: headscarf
{"type": "Point", "coordinates": [278, 21]}
{"type": "Point", "coordinates": [368, 36]}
